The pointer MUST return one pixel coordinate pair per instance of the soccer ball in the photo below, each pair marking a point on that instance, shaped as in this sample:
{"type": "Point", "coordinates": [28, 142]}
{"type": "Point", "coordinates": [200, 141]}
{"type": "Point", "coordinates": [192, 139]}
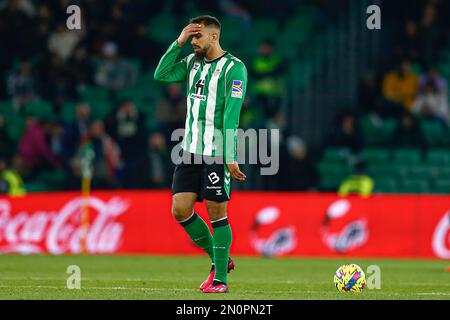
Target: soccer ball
{"type": "Point", "coordinates": [350, 278]}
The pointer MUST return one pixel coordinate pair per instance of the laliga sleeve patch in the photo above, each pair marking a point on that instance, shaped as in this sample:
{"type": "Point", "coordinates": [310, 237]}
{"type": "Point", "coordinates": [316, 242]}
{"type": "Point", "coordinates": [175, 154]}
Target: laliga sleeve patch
{"type": "Point", "coordinates": [236, 89]}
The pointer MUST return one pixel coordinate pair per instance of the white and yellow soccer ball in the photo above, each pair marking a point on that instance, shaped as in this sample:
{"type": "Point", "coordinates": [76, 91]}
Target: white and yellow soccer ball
{"type": "Point", "coordinates": [349, 278]}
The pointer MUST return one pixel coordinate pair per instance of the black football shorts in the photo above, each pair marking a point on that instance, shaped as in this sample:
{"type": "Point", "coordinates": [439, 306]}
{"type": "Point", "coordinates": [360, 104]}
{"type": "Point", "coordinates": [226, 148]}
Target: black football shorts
{"type": "Point", "coordinates": [210, 181]}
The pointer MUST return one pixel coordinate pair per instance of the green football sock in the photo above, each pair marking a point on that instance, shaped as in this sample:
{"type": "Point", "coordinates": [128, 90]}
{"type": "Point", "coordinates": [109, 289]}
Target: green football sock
{"type": "Point", "coordinates": [199, 232]}
{"type": "Point", "coordinates": [222, 242]}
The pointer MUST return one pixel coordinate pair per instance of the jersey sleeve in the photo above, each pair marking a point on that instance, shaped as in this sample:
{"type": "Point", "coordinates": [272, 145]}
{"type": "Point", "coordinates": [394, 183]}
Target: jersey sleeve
{"type": "Point", "coordinates": [168, 70]}
{"type": "Point", "coordinates": [236, 86]}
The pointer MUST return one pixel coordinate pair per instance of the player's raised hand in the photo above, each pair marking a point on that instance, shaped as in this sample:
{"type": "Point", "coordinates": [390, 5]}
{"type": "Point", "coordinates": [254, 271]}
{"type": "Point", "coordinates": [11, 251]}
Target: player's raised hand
{"type": "Point", "coordinates": [235, 172]}
{"type": "Point", "coordinates": [190, 30]}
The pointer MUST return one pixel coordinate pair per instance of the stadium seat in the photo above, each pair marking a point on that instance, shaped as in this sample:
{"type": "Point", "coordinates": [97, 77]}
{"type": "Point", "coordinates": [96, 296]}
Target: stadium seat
{"type": "Point", "coordinates": [442, 186]}
{"type": "Point", "coordinates": [53, 178]}
{"type": "Point", "coordinates": [6, 107]}
{"type": "Point", "coordinates": [337, 155]}
{"type": "Point", "coordinates": [328, 168]}
{"type": "Point", "coordinates": [332, 174]}
{"type": "Point", "coordinates": [407, 156]}
{"type": "Point", "coordinates": [388, 170]}
{"type": "Point", "coordinates": [39, 108]}
{"type": "Point", "coordinates": [95, 93]}
{"type": "Point", "coordinates": [386, 185]}
{"type": "Point", "coordinates": [15, 126]}
{"type": "Point", "coordinates": [435, 134]}
{"type": "Point", "coordinates": [163, 29]}
{"type": "Point", "coordinates": [414, 186]}
{"type": "Point", "coordinates": [264, 29]}
{"type": "Point", "coordinates": [444, 172]}
{"type": "Point", "coordinates": [438, 157]}
{"type": "Point", "coordinates": [232, 31]}
{"type": "Point", "coordinates": [375, 132]}
{"type": "Point", "coordinates": [376, 155]}
{"type": "Point", "coordinates": [383, 171]}
{"type": "Point", "coordinates": [100, 108]}
{"type": "Point", "coordinates": [37, 186]}
{"type": "Point", "coordinates": [425, 171]}
{"type": "Point", "coordinates": [330, 183]}
{"type": "Point", "coordinates": [68, 111]}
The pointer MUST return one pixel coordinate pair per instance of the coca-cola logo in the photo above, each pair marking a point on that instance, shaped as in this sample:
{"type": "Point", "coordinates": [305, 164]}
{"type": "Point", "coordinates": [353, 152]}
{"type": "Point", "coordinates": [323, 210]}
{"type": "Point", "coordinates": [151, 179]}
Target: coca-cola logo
{"type": "Point", "coordinates": [441, 237]}
{"type": "Point", "coordinates": [343, 230]}
{"type": "Point", "coordinates": [59, 232]}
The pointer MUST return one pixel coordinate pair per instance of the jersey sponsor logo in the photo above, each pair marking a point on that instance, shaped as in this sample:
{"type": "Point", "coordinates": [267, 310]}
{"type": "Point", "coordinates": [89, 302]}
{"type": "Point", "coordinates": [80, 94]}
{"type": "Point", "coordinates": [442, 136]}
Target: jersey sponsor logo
{"type": "Point", "coordinates": [196, 66]}
{"type": "Point", "coordinates": [198, 96]}
{"type": "Point", "coordinates": [236, 89]}
{"type": "Point", "coordinates": [213, 177]}
{"type": "Point", "coordinates": [199, 88]}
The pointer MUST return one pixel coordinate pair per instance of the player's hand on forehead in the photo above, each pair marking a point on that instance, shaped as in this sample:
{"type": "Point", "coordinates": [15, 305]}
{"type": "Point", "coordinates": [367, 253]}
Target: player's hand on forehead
{"type": "Point", "coordinates": [193, 28]}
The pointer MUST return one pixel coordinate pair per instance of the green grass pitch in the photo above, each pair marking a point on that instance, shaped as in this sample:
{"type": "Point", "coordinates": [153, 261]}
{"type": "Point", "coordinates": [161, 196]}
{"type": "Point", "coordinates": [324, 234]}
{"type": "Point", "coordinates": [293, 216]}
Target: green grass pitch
{"type": "Point", "coordinates": [178, 277]}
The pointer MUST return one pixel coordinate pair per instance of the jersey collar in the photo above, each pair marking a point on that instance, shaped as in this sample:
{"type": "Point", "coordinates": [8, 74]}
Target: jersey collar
{"type": "Point", "coordinates": [214, 60]}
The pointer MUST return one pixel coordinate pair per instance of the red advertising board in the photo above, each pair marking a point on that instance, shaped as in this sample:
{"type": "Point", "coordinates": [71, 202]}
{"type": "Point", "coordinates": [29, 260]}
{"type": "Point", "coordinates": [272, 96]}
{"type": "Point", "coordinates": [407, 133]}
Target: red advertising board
{"type": "Point", "coordinates": [263, 223]}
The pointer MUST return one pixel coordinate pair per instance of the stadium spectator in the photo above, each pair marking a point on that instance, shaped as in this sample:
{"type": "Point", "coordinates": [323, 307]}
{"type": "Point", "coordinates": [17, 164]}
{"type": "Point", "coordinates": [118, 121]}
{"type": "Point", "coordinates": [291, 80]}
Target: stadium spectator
{"type": "Point", "coordinates": [234, 9]}
{"type": "Point", "coordinates": [126, 127]}
{"type": "Point", "coordinates": [276, 122]}
{"type": "Point", "coordinates": [63, 41]}
{"type": "Point", "coordinates": [433, 75]}
{"type": "Point", "coordinates": [369, 92]}
{"type": "Point", "coordinates": [171, 109]}
{"type": "Point", "coordinates": [251, 115]}
{"type": "Point", "coordinates": [11, 182]}
{"type": "Point", "coordinates": [7, 145]}
{"type": "Point", "coordinates": [14, 27]}
{"type": "Point", "coordinates": [358, 182]}
{"type": "Point", "coordinates": [297, 171]}
{"type": "Point", "coordinates": [409, 44]}
{"type": "Point", "coordinates": [22, 85]}
{"type": "Point", "coordinates": [154, 168]}
{"type": "Point", "coordinates": [107, 162]}
{"type": "Point", "coordinates": [432, 104]}
{"type": "Point", "coordinates": [80, 69]}
{"type": "Point", "coordinates": [54, 73]}
{"type": "Point", "coordinates": [408, 133]}
{"type": "Point", "coordinates": [268, 72]}
{"type": "Point", "coordinates": [119, 26]}
{"type": "Point", "coordinates": [429, 34]}
{"type": "Point", "coordinates": [42, 26]}
{"type": "Point", "coordinates": [55, 138]}
{"type": "Point", "coordinates": [401, 85]}
{"type": "Point", "coordinates": [34, 149]}
{"type": "Point", "coordinates": [77, 131]}
{"type": "Point", "coordinates": [143, 47]}
{"type": "Point", "coordinates": [113, 71]}
{"type": "Point", "coordinates": [346, 133]}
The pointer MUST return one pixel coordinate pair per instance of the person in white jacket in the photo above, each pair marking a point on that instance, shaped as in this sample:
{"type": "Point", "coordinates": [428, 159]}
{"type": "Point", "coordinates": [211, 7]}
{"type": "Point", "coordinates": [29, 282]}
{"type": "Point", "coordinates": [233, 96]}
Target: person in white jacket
{"type": "Point", "coordinates": [432, 103]}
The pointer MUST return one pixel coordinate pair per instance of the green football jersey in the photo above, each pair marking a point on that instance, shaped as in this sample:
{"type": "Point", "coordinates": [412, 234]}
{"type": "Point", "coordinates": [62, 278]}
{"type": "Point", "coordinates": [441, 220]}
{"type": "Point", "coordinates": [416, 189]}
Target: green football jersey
{"type": "Point", "coordinates": [215, 92]}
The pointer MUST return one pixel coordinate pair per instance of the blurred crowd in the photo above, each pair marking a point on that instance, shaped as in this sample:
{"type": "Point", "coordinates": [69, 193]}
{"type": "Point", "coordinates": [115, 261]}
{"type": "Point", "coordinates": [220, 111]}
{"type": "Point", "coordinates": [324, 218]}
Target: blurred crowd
{"type": "Point", "coordinates": [409, 88]}
{"type": "Point", "coordinates": [44, 61]}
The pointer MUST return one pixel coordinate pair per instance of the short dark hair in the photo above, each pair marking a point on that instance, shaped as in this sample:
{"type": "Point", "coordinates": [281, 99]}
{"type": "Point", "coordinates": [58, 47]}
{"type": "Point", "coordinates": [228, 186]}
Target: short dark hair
{"type": "Point", "coordinates": [206, 20]}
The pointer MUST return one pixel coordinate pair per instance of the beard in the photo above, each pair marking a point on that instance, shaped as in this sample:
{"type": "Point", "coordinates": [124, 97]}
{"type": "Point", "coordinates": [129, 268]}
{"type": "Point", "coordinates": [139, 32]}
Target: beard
{"type": "Point", "coordinates": [200, 54]}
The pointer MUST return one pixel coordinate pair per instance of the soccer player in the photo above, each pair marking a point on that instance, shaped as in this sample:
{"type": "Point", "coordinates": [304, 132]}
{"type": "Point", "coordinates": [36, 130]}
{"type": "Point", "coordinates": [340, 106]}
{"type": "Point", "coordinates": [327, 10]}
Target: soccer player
{"type": "Point", "coordinates": [216, 86]}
